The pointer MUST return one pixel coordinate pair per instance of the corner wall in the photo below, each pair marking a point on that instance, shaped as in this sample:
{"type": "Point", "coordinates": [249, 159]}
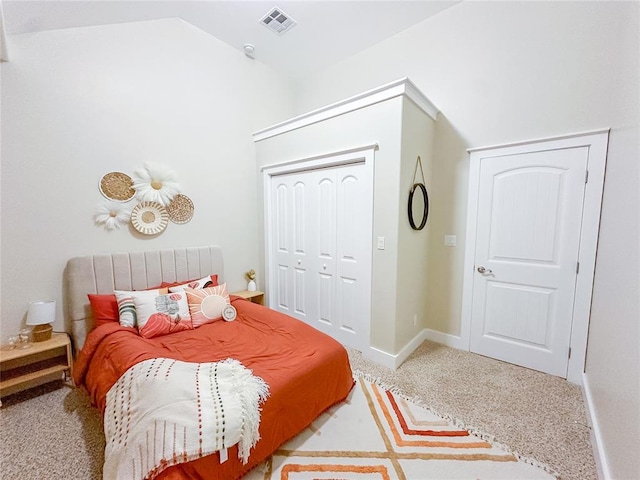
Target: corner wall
{"type": "Point", "coordinates": [79, 103]}
{"type": "Point", "coordinates": [413, 245]}
{"type": "Point", "coordinates": [503, 72]}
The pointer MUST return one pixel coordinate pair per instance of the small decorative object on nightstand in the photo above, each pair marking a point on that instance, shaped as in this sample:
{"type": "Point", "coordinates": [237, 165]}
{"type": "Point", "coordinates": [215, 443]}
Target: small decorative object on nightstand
{"type": "Point", "coordinates": [42, 314]}
{"type": "Point", "coordinates": [251, 276]}
{"type": "Point", "coordinates": [23, 338]}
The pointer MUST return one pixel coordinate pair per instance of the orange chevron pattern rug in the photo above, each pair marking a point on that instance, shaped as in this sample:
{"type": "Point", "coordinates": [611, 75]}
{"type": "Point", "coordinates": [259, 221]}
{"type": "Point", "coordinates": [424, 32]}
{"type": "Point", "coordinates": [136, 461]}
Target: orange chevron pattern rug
{"type": "Point", "coordinates": [377, 434]}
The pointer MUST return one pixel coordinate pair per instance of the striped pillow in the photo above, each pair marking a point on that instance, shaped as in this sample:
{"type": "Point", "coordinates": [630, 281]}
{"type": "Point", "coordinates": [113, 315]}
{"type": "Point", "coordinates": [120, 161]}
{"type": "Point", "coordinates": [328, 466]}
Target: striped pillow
{"type": "Point", "coordinates": [127, 307]}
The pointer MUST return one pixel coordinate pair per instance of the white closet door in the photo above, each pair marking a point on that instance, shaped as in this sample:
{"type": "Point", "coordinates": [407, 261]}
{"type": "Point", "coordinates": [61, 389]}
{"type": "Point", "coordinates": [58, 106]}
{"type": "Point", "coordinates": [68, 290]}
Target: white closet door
{"type": "Point", "coordinates": [323, 292]}
{"type": "Point", "coordinates": [290, 256]}
{"type": "Point", "coordinates": [354, 217]}
{"type": "Point", "coordinates": [321, 249]}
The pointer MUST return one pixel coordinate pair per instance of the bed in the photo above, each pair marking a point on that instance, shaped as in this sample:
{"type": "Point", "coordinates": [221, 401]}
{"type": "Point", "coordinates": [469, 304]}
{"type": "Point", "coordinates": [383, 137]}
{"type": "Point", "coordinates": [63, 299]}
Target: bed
{"type": "Point", "coordinates": [305, 370]}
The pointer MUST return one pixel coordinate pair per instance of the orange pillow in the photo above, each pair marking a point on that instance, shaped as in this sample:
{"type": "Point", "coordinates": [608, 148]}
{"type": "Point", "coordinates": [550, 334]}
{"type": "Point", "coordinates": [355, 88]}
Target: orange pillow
{"type": "Point", "coordinates": [206, 304]}
{"type": "Point", "coordinates": [208, 281]}
{"type": "Point", "coordinates": [105, 308]}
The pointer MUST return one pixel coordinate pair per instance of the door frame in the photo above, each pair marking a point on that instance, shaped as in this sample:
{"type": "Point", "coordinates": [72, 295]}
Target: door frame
{"type": "Point", "coordinates": [596, 141]}
{"type": "Point", "coordinates": [359, 155]}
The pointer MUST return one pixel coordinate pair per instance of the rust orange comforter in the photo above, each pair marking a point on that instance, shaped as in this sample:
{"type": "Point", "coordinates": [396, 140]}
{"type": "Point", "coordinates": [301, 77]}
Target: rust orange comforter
{"type": "Point", "coordinates": [306, 370]}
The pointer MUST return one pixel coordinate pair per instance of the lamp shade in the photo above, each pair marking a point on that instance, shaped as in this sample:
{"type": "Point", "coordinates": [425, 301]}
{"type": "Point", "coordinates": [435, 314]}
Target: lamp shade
{"type": "Point", "coordinates": [41, 312]}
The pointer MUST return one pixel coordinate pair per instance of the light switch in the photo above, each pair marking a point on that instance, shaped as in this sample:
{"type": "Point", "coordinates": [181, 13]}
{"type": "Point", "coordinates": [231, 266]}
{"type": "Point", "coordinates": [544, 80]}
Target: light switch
{"type": "Point", "coordinates": [380, 243]}
{"type": "Point", "coordinates": [450, 240]}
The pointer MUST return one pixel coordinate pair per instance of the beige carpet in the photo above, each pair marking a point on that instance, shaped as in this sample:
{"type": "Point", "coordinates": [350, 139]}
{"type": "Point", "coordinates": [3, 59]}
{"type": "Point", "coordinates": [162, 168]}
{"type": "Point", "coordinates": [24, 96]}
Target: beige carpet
{"type": "Point", "coordinates": [53, 433]}
{"type": "Point", "coordinates": [379, 434]}
{"type": "Point", "coordinates": [535, 414]}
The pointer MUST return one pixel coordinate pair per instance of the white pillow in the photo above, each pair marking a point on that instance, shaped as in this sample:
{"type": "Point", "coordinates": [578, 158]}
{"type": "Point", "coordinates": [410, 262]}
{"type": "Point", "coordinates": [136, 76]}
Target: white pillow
{"type": "Point", "coordinates": [208, 281]}
{"type": "Point", "coordinates": [162, 314]}
{"type": "Point", "coordinates": [127, 308]}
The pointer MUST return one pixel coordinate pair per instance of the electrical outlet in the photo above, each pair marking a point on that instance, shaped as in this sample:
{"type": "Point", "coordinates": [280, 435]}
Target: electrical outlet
{"type": "Point", "coordinates": [415, 319]}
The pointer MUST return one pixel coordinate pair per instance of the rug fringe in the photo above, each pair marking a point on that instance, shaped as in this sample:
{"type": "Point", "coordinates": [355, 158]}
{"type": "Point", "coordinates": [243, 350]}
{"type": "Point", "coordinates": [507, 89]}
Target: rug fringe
{"type": "Point", "coordinates": [458, 423]}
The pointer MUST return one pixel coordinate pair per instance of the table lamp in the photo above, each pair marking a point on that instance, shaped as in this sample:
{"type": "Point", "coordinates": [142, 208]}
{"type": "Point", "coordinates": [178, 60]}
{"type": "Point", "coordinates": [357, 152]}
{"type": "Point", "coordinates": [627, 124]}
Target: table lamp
{"type": "Point", "coordinates": [41, 315]}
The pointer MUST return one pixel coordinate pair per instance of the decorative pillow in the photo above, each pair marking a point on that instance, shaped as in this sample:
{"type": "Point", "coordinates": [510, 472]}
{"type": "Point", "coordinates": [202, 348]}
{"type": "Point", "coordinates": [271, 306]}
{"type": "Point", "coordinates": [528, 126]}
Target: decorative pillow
{"type": "Point", "coordinates": [104, 307]}
{"type": "Point", "coordinates": [206, 304]}
{"type": "Point", "coordinates": [175, 284]}
{"type": "Point", "coordinates": [209, 281]}
{"type": "Point", "coordinates": [127, 307]}
{"type": "Point", "coordinates": [161, 314]}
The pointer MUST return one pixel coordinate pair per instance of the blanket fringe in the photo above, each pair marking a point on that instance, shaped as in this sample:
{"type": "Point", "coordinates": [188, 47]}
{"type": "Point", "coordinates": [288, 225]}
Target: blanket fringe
{"type": "Point", "coordinates": [255, 396]}
{"type": "Point", "coordinates": [458, 423]}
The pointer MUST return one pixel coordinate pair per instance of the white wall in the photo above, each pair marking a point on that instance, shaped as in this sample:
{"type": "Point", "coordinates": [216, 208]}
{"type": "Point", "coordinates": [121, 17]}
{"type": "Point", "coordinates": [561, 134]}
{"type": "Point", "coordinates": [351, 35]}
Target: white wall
{"type": "Point", "coordinates": [613, 356]}
{"type": "Point", "coordinates": [79, 103]}
{"type": "Point", "coordinates": [412, 269]}
{"type": "Point", "coordinates": [502, 72]}
{"type": "Point", "coordinates": [4, 56]}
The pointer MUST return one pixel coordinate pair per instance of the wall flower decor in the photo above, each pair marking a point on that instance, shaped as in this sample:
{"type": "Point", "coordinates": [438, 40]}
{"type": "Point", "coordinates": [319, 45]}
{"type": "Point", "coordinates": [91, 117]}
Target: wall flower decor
{"type": "Point", "coordinates": [149, 218]}
{"type": "Point", "coordinates": [180, 209]}
{"type": "Point", "coordinates": [158, 200]}
{"type": "Point", "coordinates": [112, 215]}
{"type": "Point", "coordinates": [155, 183]}
{"type": "Point", "coordinates": [117, 186]}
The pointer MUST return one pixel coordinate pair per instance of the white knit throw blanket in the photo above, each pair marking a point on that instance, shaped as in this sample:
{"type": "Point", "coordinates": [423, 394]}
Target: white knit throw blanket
{"type": "Point", "coordinates": [162, 412]}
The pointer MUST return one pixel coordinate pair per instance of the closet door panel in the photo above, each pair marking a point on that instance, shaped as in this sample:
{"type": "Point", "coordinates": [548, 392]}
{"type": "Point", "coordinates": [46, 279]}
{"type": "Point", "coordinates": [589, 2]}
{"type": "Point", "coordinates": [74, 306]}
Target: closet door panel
{"type": "Point", "coordinates": [326, 302]}
{"type": "Point", "coordinates": [353, 221]}
{"type": "Point", "coordinates": [325, 253]}
{"type": "Point", "coordinates": [301, 198]}
{"type": "Point", "coordinates": [282, 278]}
{"type": "Point", "coordinates": [282, 241]}
{"type": "Point", "coordinates": [326, 216]}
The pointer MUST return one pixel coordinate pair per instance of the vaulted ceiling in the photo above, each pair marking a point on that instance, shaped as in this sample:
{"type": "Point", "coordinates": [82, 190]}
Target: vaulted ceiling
{"type": "Point", "coordinates": [325, 32]}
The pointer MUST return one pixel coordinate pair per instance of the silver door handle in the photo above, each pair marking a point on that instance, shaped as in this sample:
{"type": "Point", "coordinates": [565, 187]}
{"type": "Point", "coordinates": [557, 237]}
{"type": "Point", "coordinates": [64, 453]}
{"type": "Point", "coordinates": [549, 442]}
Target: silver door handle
{"type": "Point", "coordinates": [483, 270]}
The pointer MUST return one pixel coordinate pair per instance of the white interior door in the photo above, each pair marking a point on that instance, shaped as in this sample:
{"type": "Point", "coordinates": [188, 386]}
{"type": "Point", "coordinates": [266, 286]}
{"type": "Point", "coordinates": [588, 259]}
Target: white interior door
{"type": "Point", "coordinates": [320, 263]}
{"type": "Point", "coordinates": [529, 215]}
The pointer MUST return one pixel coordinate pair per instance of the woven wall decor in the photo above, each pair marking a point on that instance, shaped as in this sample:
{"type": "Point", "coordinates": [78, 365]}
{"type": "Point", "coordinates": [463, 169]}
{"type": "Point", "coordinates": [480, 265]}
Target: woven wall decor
{"type": "Point", "coordinates": [149, 218]}
{"type": "Point", "coordinates": [180, 209]}
{"type": "Point", "coordinates": [117, 186]}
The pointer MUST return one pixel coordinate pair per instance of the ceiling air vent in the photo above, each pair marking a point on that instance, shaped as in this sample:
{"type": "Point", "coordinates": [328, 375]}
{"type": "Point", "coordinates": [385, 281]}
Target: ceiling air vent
{"type": "Point", "coordinates": [277, 21]}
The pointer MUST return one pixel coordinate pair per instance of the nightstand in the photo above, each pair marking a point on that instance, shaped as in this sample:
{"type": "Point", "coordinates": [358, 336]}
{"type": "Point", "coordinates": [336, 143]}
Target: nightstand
{"type": "Point", "coordinates": [42, 362]}
{"type": "Point", "coordinates": [256, 296]}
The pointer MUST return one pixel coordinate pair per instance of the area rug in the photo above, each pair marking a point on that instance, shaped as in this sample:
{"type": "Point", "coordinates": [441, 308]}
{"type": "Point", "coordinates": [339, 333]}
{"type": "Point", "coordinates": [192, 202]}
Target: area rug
{"type": "Point", "coordinates": [377, 433]}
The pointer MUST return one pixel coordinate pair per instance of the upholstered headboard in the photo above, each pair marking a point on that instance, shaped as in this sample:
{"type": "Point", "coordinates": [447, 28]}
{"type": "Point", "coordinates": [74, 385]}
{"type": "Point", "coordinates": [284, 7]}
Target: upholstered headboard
{"type": "Point", "coordinates": [129, 271]}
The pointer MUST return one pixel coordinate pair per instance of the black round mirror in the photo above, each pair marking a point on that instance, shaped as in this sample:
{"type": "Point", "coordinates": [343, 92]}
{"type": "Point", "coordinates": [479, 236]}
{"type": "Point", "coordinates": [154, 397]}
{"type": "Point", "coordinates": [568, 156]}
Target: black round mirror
{"type": "Point", "coordinates": [425, 206]}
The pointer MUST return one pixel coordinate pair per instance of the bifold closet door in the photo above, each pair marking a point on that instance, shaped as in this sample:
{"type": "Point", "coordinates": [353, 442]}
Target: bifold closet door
{"type": "Point", "coordinates": [321, 249]}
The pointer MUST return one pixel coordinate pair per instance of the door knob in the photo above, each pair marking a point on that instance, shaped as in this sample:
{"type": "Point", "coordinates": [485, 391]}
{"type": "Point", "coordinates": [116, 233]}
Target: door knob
{"type": "Point", "coordinates": [324, 267]}
{"type": "Point", "coordinates": [483, 270]}
{"type": "Point", "coordinates": [299, 262]}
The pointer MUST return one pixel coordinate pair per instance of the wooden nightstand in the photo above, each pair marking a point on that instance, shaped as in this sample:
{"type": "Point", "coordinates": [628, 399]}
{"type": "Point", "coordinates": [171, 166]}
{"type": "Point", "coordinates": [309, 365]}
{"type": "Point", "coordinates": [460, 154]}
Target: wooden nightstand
{"type": "Point", "coordinates": [42, 362]}
{"type": "Point", "coordinates": [256, 296]}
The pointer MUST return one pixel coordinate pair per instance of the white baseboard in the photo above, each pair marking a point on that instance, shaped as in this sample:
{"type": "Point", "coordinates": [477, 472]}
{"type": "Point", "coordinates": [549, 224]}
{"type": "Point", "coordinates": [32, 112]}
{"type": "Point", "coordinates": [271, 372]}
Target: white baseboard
{"type": "Point", "coordinates": [381, 357]}
{"type": "Point", "coordinates": [596, 437]}
{"type": "Point", "coordinates": [447, 339]}
{"type": "Point", "coordinates": [393, 361]}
